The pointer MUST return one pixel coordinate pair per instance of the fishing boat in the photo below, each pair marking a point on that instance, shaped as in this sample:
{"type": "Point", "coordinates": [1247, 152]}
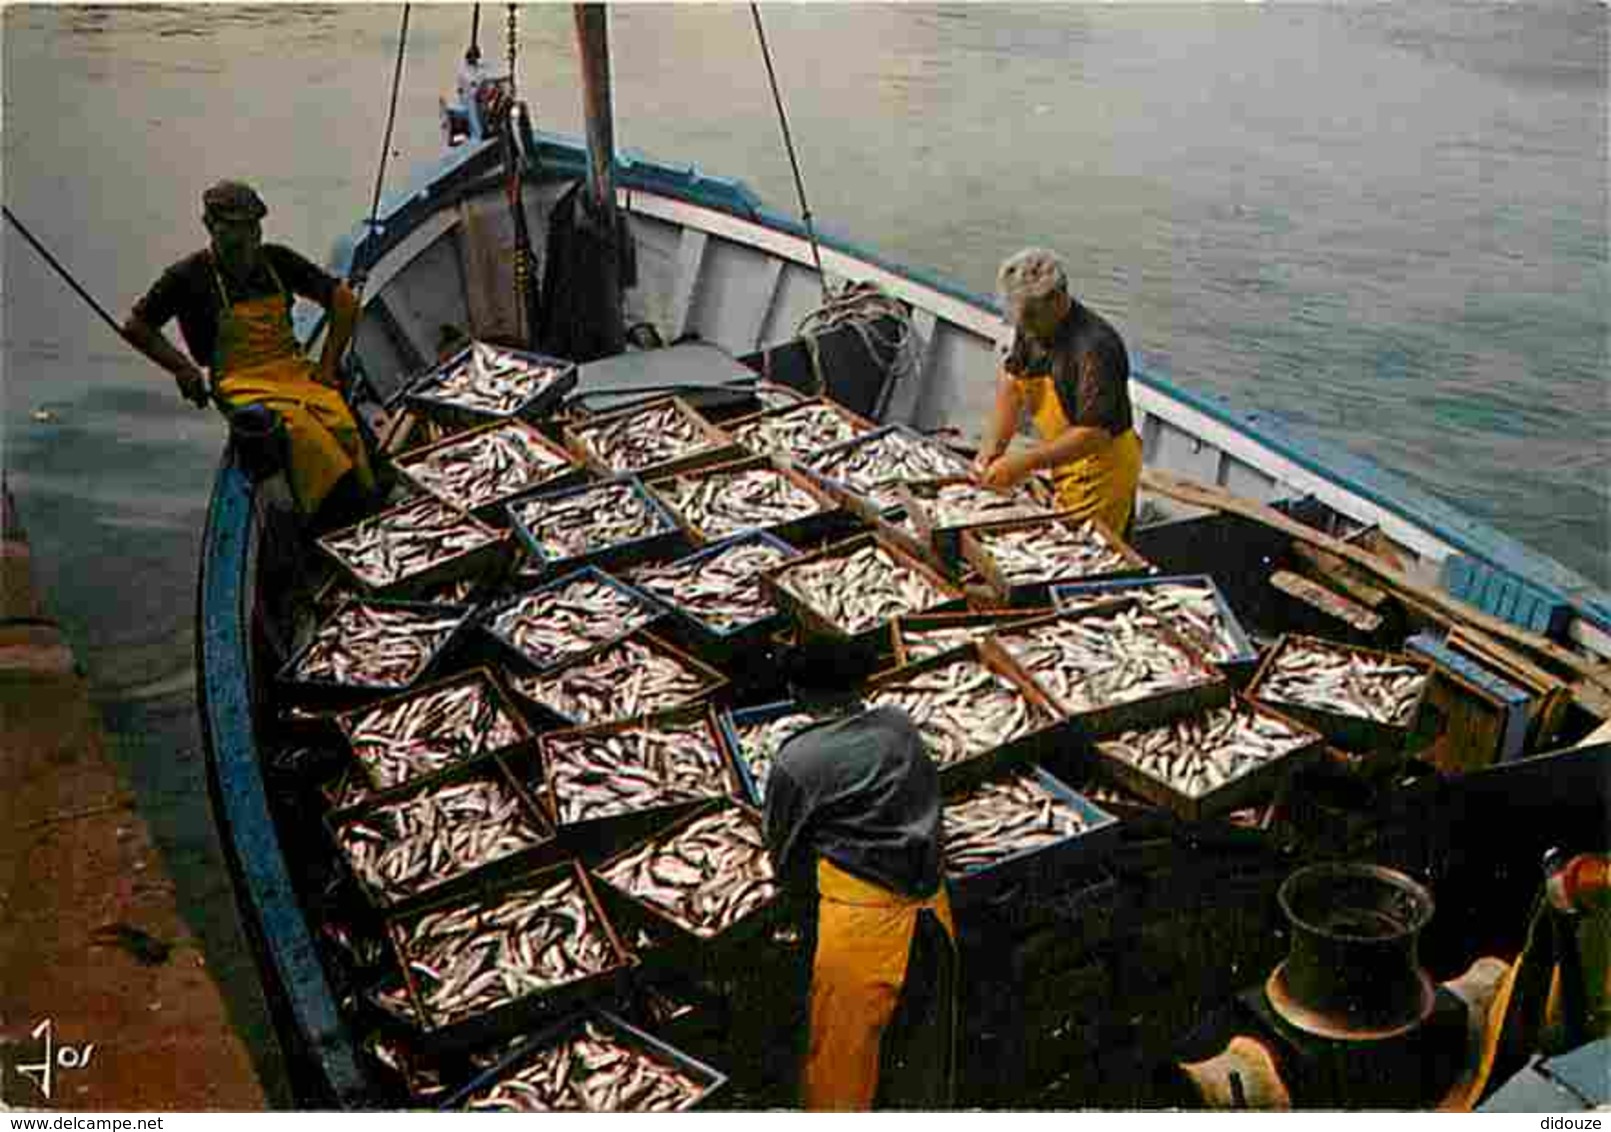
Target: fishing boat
{"type": "Point", "coordinates": [1119, 962]}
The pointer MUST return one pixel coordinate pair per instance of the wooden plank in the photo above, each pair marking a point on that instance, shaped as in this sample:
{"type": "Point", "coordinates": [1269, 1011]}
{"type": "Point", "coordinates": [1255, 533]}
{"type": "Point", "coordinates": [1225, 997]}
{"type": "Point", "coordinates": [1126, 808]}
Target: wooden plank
{"type": "Point", "coordinates": [1316, 596]}
{"type": "Point", "coordinates": [1335, 572]}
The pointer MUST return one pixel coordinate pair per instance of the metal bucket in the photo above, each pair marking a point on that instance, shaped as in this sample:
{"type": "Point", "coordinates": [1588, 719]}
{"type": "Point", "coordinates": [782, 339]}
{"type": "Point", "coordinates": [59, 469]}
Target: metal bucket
{"type": "Point", "coordinates": [1352, 971]}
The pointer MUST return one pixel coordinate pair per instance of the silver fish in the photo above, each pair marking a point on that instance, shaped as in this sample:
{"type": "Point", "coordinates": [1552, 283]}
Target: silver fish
{"type": "Point", "coordinates": [603, 772]}
{"type": "Point", "coordinates": [424, 733]}
{"type": "Point", "coordinates": [551, 624]}
{"type": "Point", "coordinates": [406, 541]}
{"type": "Point", "coordinates": [1338, 679]}
{"type": "Point", "coordinates": [486, 466]}
{"type": "Point", "coordinates": [706, 877]}
{"type": "Point", "coordinates": [861, 589]}
{"type": "Point", "coordinates": [372, 646]}
{"type": "Point", "coordinates": [721, 591]}
{"type": "Point", "coordinates": [628, 679]}
{"type": "Point", "coordinates": [962, 504]}
{"type": "Point", "coordinates": [1050, 552]}
{"type": "Point", "coordinates": [638, 439]}
{"type": "Point", "coordinates": [1198, 755]}
{"type": "Point", "coordinates": [797, 430]}
{"type": "Point", "coordinates": [591, 1070]}
{"type": "Point", "coordinates": [1189, 608]}
{"type": "Point", "coordinates": [876, 465]}
{"type": "Point", "coordinates": [489, 380]}
{"type": "Point", "coordinates": [721, 503]}
{"type": "Point", "coordinates": [1000, 819]}
{"type": "Point", "coordinates": [586, 521]}
{"type": "Point", "coordinates": [962, 708]}
{"type": "Point", "coordinates": [1101, 660]}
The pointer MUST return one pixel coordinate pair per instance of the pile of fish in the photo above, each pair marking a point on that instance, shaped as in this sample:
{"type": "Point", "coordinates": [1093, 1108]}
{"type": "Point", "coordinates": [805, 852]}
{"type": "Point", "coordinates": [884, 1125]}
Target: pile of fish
{"type": "Point", "coordinates": [725, 502]}
{"type": "Point", "coordinates": [962, 708]}
{"type": "Point", "coordinates": [1343, 681]}
{"type": "Point", "coordinates": [486, 466]}
{"type": "Point", "coordinates": [601, 773]}
{"type": "Point", "coordinates": [963, 504]}
{"type": "Point", "coordinates": [1051, 551]}
{"type": "Point", "coordinates": [551, 624]}
{"type": "Point", "coordinates": [1103, 659]}
{"type": "Point", "coordinates": [705, 878]}
{"type": "Point", "coordinates": [771, 395]}
{"type": "Point", "coordinates": [373, 646]}
{"type": "Point", "coordinates": [591, 1071]}
{"type": "Point", "coordinates": [860, 590]}
{"type": "Point", "coordinates": [1189, 608]}
{"type": "Point", "coordinates": [759, 743]}
{"type": "Point", "coordinates": [1198, 755]}
{"type": "Point", "coordinates": [422, 734]}
{"type": "Point", "coordinates": [922, 642]}
{"type": "Point", "coordinates": [996, 820]}
{"type": "Point", "coordinates": [797, 431]}
{"type": "Point", "coordinates": [479, 955]}
{"type": "Point", "coordinates": [640, 439]}
{"type": "Point", "coordinates": [877, 466]}
{"type": "Point", "coordinates": [719, 590]}
{"type": "Point", "coordinates": [404, 847]}
{"type": "Point", "coordinates": [490, 381]}
{"type": "Point", "coordinates": [589, 520]}
{"type": "Point", "coordinates": [406, 541]}
{"type": "Point", "coordinates": [626, 680]}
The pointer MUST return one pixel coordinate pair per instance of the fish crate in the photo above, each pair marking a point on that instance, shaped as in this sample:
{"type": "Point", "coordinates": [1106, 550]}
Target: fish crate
{"type": "Point", "coordinates": [528, 1062]}
{"type": "Point", "coordinates": [1352, 732]}
{"type": "Point", "coordinates": [727, 642]}
{"type": "Point", "coordinates": [770, 432]}
{"type": "Point", "coordinates": [928, 460]}
{"type": "Point", "coordinates": [1029, 874]}
{"type": "Point", "coordinates": [678, 947]}
{"type": "Point", "coordinates": [468, 591]}
{"type": "Point", "coordinates": [622, 662]}
{"type": "Point", "coordinates": [1233, 654]}
{"type": "Point", "coordinates": [551, 466]}
{"type": "Point", "coordinates": [407, 1010]}
{"type": "Point", "coordinates": [595, 830]}
{"type": "Point", "coordinates": [388, 723]}
{"type": "Point", "coordinates": [641, 610]}
{"type": "Point", "coordinates": [976, 550]}
{"type": "Point", "coordinates": [1206, 688]}
{"type": "Point", "coordinates": [919, 636]}
{"type": "Point", "coordinates": [316, 674]}
{"type": "Point", "coordinates": [1046, 725]}
{"type": "Point", "coordinates": [802, 528]}
{"type": "Point", "coordinates": [376, 819]}
{"type": "Point", "coordinates": [1256, 784]}
{"type": "Point", "coordinates": [605, 498]}
{"type": "Point", "coordinates": [704, 443]}
{"type": "Point", "coordinates": [433, 393]}
{"type": "Point", "coordinates": [878, 637]}
{"type": "Point", "coordinates": [347, 550]}
{"type": "Point", "coordinates": [1027, 504]}
{"type": "Point", "coordinates": [735, 724]}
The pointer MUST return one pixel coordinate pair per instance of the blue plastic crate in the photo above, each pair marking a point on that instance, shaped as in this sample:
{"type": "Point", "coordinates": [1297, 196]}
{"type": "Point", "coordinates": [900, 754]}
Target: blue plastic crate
{"type": "Point", "coordinates": [485, 620]}
{"type": "Point", "coordinates": [667, 535]}
{"type": "Point", "coordinates": [1504, 595]}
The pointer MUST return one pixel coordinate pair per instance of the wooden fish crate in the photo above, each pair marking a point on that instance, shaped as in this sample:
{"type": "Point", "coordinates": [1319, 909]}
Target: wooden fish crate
{"type": "Point", "coordinates": [976, 551]}
{"type": "Point", "coordinates": [666, 537]}
{"type": "Point", "coordinates": [1209, 690]}
{"type": "Point", "coordinates": [489, 559]}
{"type": "Point", "coordinates": [1485, 716]}
{"type": "Point", "coordinates": [917, 498]}
{"type": "Point", "coordinates": [804, 529]}
{"type": "Point", "coordinates": [732, 721]}
{"type": "Point", "coordinates": [855, 422]}
{"type": "Point", "coordinates": [910, 627]}
{"type": "Point", "coordinates": [424, 394]}
{"type": "Point", "coordinates": [330, 692]}
{"type": "Point", "coordinates": [1354, 733]}
{"type": "Point", "coordinates": [877, 637]}
{"type": "Point", "coordinates": [346, 723]}
{"type": "Point", "coordinates": [520, 1014]}
{"type": "Point", "coordinates": [710, 1082]}
{"type": "Point", "coordinates": [597, 837]}
{"type": "Point", "coordinates": [1244, 658]}
{"type": "Point", "coordinates": [717, 447]}
{"type": "Point", "coordinates": [559, 476]}
{"type": "Point", "coordinates": [711, 682]}
{"type": "Point", "coordinates": [1032, 746]}
{"type": "Point", "coordinates": [1238, 793]}
{"type": "Point", "coordinates": [677, 947]}
{"type": "Point", "coordinates": [491, 767]}
{"type": "Point", "coordinates": [948, 462]}
{"type": "Point", "coordinates": [652, 610]}
{"type": "Point", "coordinates": [736, 644]}
{"type": "Point", "coordinates": [469, 591]}
{"type": "Point", "coordinates": [1030, 874]}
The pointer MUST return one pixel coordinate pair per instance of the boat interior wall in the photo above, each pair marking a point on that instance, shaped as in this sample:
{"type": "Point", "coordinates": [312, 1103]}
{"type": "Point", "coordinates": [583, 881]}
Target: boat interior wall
{"type": "Point", "coordinates": [486, 234]}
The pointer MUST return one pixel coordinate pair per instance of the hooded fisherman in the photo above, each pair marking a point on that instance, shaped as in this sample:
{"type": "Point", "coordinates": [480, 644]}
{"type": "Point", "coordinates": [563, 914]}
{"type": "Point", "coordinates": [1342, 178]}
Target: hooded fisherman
{"type": "Point", "coordinates": [233, 300]}
{"type": "Point", "coordinates": [1069, 372]}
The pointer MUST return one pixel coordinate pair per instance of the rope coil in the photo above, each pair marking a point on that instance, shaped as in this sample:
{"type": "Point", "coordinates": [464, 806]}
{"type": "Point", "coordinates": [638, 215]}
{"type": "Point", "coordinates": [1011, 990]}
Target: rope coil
{"type": "Point", "coordinates": [861, 306]}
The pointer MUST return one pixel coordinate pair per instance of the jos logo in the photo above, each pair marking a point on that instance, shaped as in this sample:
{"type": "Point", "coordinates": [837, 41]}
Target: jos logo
{"type": "Point", "coordinates": [42, 1072]}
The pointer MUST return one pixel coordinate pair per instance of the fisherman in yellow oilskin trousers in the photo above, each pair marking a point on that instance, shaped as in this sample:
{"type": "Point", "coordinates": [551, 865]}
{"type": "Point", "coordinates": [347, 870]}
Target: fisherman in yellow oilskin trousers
{"type": "Point", "coordinates": [233, 301]}
{"type": "Point", "coordinates": [852, 821]}
{"type": "Point", "coordinates": [1068, 370]}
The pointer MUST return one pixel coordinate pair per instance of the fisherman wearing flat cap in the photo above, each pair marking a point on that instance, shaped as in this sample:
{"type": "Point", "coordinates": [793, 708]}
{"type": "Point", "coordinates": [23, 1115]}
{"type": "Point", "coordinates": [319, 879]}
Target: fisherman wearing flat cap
{"type": "Point", "coordinates": [233, 301]}
{"type": "Point", "coordinates": [1068, 370]}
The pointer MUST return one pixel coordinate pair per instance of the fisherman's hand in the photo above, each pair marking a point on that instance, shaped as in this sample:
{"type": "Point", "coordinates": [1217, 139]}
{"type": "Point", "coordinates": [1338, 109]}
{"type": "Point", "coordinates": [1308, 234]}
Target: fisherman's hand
{"type": "Point", "coordinates": [192, 385]}
{"type": "Point", "coordinates": [1007, 471]}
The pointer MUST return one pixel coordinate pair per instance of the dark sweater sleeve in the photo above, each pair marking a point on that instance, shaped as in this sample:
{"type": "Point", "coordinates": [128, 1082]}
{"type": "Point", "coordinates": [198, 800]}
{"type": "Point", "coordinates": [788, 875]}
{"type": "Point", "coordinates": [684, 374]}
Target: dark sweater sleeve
{"type": "Point", "coordinates": [782, 825]}
{"type": "Point", "coordinates": [301, 276]}
{"type": "Point", "coordinates": [167, 295]}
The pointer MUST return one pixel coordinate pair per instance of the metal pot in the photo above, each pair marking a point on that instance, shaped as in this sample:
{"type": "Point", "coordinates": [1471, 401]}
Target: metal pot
{"type": "Point", "coordinates": [1352, 971]}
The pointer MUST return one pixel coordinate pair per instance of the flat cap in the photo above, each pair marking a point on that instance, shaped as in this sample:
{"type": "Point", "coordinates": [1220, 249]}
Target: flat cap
{"type": "Point", "coordinates": [233, 200]}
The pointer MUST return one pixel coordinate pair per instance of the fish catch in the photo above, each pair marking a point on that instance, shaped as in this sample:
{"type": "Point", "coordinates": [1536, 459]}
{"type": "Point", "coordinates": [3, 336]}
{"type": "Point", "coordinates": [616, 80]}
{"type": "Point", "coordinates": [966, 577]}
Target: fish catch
{"type": "Point", "coordinates": [998, 820]}
{"type": "Point", "coordinates": [591, 1071]}
{"type": "Point", "coordinates": [759, 743]}
{"type": "Point", "coordinates": [876, 466]}
{"type": "Point", "coordinates": [590, 520]}
{"type": "Point", "coordinates": [722, 502]}
{"type": "Point", "coordinates": [627, 680]}
{"type": "Point", "coordinates": [861, 590]}
{"type": "Point", "coordinates": [486, 466]}
{"type": "Point", "coordinates": [706, 877]}
{"type": "Point", "coordinates": [641, 439]}
{"type": "Point", "coordinates": [1051, 552]}
{"type": "Point", "coordinates": [962, 708]}
{"type": "Point", "coordinates": [963, 504]}
{"type": "Point", "coordinates": [406, 541]}
{"type": "Point", "coordinates": [490, 381]}
{"type": "Point", "coordinates": [1096, 661]}
{"type": "Point", "coordinates": [1197, 756]}
{"type": "Point", "coordinates": [1189, 608]}
{"type": "Point", "coordinates": [797, 431]}
{"type": "Point", "coordinates": [363, 645]}
{"type": "Point", "coordinates": [720, 591]}
{"type": "Point", "coordinates": [605, 772]}
{"type": "Point", "coordinates": [1341, 680]}
{"type": "Point", "coordinates": [422, 734]}
{"type": "Point", "coordinates": [564, 620]}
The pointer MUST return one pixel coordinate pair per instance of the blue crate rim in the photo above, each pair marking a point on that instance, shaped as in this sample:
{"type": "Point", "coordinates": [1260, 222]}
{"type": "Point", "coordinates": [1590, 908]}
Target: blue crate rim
{"type": "Point", "coordinates": [1058, 789]}
{"type": "Point", "coordinates": [729, 720]}
{"type": "Point", "coordinates": [411, 390]}
{"type": "Point", "coordinates": [666, 522]}
{"type": "Point", "coordinates": [711, 550]}
{"type": "Point", "coordinates": [706, 713]}
{"type": "Point", "coordinates": [287, 671]}
{"type": "Point", "coordinates": [486, 615]}
{"type": "Point", "coordinates": [1246, 652]}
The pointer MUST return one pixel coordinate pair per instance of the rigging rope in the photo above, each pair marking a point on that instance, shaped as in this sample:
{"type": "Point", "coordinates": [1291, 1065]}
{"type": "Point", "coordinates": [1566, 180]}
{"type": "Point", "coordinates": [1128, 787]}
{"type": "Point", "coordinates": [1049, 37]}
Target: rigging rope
{"type": "Point", "coordinates": [788, 142]}
{"type": "Point", "coordinates": [386, 144]}
{"type": "Point", "coordinates": [861, 306]}
{"type": "Point", "coordinates": [523, 259]}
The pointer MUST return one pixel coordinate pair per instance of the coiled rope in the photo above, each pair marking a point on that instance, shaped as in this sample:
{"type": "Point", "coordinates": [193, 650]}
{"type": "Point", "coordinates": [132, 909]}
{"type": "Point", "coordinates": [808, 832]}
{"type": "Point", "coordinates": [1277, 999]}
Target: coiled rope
{"type": "Point", "coordinates": [862, 307]}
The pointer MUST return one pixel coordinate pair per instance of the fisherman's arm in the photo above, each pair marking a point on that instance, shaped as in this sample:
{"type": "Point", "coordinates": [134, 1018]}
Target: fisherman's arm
{"type": "Point", "coordinates": [1001, 424]}
{"type": "Point", "coordinates": [155, 345]}
{"type": "Point", "coordinates": [343, 317]}
{"type": "Point", "coordinates": [1069, 445]}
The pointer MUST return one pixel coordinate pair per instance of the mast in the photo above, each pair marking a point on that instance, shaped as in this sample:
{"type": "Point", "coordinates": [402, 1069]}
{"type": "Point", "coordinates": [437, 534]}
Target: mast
{"type": "Point", "coordinates": [592, 37]}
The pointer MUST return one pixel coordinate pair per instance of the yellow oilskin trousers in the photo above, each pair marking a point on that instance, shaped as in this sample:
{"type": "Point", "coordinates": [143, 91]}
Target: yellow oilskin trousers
{"type": "Point", "coordinates": [1100, 484]}
{"type": "Point", "coordinates": [259, 362]}
{"type": "Point", "coordinates": [864, 938]}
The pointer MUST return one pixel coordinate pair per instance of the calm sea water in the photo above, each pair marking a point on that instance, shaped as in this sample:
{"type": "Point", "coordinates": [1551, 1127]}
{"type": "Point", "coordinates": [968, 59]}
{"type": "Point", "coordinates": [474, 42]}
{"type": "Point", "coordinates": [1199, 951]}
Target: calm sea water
{"type": "Point", "coordinates": [1385, 223]}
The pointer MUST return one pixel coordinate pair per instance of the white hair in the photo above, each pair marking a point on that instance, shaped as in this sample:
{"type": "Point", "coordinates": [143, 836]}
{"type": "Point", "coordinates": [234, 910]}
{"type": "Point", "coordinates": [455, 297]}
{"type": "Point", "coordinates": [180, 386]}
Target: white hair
{"type": "Point", "coordinates": [1030, 274]}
